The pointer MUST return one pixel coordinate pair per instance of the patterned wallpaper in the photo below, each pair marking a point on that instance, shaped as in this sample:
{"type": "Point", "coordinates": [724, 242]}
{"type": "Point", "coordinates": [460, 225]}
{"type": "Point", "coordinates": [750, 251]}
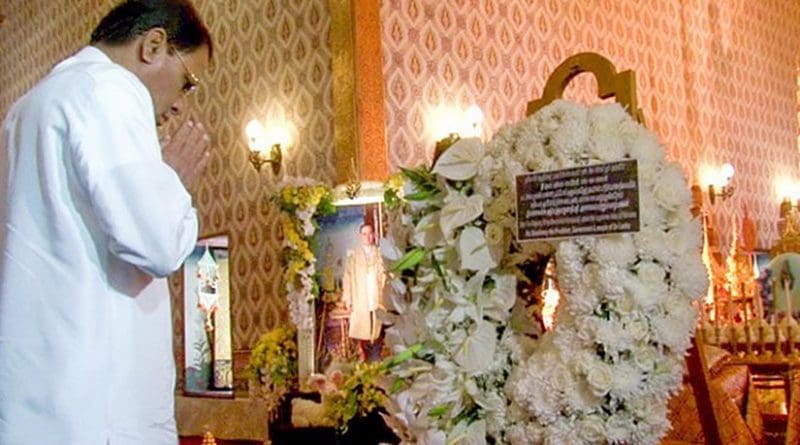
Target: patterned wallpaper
{"type": "Point", "coordinates": [716, 78]}
{"type": "Point", "coordinates": [272, 62]}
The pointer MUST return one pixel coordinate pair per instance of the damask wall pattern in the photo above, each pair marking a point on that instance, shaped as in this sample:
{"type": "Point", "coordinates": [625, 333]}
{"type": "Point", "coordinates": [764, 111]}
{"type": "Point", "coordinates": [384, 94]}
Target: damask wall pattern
{"type": "Point", "coordinates": [272, 62]}
{"type": "Point", "coordinates": [717, 79]}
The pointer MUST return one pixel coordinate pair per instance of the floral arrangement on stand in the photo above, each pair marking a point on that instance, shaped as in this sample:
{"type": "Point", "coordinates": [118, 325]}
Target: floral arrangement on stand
{"type": "Point", "coordinates": [273, 365]}
{"type": "Point", "coordinates": [626, 318]}
{"type": "Point", "coordinates": [274, 358]}
{"type": "Point", "coordinates": [358, 395]}
{"type": "Point", "coordinates": [301, 202]}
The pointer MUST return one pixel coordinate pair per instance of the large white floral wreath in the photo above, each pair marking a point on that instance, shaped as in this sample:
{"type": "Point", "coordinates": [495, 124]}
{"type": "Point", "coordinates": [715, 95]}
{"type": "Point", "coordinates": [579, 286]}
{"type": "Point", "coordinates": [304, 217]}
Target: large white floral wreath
{"type": "Point", "coordinates": [605, 374]}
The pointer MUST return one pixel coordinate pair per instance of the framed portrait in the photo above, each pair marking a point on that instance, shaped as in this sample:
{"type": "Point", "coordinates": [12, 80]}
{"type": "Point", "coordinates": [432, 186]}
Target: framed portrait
{"type": "Point", "coordinates": [761, 259]}
{"type": "Point", "coordinates": [208, 355]}
{"type": "Point", "coordinates": [351, 272]}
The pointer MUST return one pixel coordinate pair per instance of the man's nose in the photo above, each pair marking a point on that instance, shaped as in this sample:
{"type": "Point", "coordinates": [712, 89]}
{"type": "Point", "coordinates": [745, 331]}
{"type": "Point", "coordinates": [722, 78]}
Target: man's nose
{"type": "Point", "coordinates": [178, 107]}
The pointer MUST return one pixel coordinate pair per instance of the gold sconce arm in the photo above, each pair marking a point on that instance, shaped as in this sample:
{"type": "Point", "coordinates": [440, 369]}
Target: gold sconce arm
{"type": "Point", "coordinates": [724, 192]}
{"type": "Point", "coordinates": [259, 158]}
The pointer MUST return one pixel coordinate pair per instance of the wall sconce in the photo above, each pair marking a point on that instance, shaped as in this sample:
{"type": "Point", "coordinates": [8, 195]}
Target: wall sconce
{"type": "Point", "coordinates": [720, 186]}
{"type": "Point", "coordinates": [265, 148]}
{"type": "Point", "coordinates": [791, 200]}
{"type": "Point", "coordinates": [471, 125]}
{"type": "Point", "coordinates": [474, 120]}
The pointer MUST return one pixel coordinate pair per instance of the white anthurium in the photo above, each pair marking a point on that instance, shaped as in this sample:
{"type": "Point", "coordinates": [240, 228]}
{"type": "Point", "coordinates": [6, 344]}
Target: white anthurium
{"type": "Point", "coordinates": [473, 286]}
{"type": "Point", "coordinates": [428, 232]}
{"type": "Point", "coordinates": [462, 312]}
{"type": "Point", "coordinates": [504, 293]}
{"type": "Point", "coordinates": [458, 211]}
{"type": "Point", "coordinates": [433, 437]}
{"type": "Point", "coordinates": [468, 433]}
{"type": "Point", "coordinates": [474, 251]}
{"type": "Point", "coordinates": [473, 354]}
{"type": "Point", "coordinates": [461, 160]}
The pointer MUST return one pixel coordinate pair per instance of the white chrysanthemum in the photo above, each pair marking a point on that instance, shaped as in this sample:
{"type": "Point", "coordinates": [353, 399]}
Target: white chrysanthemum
{"type": "Point", "coordinates": [505, 137]}
{"type": "Point", "coordinates": [645, 146]}
{"type": "Point", "coordinates": [613, 336]}
{"type": "Point", "coordinates": [616, 249]}
{"type": "Point", "coordinates": [627, 381]}
{"type": "Point", "coordinates": [619, 427]}
{"type": "Point", "coordinates": [652, 243]}
{"type": "Point", "coordinates": [690, 276]}
{"type": "Point", "coordinates": [651, 211]}
{"type": "Point", "coordinates": [669, 188]}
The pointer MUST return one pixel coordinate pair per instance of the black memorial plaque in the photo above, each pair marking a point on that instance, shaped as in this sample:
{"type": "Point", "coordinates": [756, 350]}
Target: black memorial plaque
{"type": "Point", "coordinates": [591, 200]}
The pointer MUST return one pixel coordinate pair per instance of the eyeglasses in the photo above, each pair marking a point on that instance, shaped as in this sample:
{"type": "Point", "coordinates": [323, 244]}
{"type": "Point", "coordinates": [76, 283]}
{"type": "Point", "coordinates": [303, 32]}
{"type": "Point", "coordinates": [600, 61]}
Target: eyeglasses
{"type": "Point", "coordinates": [192, 81]}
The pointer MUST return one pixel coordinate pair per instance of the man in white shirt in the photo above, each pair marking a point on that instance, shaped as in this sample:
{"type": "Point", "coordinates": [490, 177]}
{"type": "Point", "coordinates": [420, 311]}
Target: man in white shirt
{"type": "Point", "coordinates": [93, 217]}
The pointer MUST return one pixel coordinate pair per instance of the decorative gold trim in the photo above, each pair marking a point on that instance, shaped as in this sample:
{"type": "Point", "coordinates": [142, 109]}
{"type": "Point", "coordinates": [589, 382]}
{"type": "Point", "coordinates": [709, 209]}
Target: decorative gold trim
{"type": "Point", "coordinates": [609, 83]}
{"type": "Point", "coordinates": [345, 130]}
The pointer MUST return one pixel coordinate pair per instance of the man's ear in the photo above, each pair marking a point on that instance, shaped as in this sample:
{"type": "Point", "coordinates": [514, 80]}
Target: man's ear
{"type": "Point", "coordinates": [154, 42]}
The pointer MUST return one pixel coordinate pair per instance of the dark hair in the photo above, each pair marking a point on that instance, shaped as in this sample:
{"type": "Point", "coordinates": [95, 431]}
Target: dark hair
{"type": "Point", "coordinates": [132, 18]}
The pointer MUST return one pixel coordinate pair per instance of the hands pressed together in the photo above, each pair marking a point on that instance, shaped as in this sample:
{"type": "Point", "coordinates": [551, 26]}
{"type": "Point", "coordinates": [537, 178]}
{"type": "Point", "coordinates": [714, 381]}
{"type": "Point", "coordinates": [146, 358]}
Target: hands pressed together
{"type": "Point", "coordinates": [187, 151]}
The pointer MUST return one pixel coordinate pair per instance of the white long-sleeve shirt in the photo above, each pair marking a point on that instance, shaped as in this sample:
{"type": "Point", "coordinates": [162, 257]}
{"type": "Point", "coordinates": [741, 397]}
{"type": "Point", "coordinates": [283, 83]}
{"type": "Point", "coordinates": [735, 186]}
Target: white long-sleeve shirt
{"type": "Point", "coordinates": [91, 217]}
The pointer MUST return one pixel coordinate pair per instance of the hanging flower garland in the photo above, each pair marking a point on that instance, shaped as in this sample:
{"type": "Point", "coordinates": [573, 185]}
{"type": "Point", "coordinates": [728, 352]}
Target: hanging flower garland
{"type": "Point", "coordinates": [301, 203]}
{"type": "Point", "coordinates": [605, 373]}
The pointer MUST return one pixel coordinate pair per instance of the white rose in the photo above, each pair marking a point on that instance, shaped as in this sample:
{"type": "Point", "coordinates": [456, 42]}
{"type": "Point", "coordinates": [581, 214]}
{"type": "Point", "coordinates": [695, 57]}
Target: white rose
{"type": "Point", "coordinates": [601, 377]}
{"type": "Point", "coordinates": [645, 357]}
{"type": "Point", "coordinates": [625, 304]}
{"type": "Point", "coordinates": [639, 330]}
{"type": "Point", "coordinates": [592, 429]}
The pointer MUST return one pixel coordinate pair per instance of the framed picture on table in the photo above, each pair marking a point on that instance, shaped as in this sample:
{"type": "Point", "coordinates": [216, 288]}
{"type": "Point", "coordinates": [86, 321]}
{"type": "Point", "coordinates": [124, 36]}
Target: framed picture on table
{"type": "Point", "coordinates": [208, 355]}
{"type": "Point", "coordinates": [352, 273]}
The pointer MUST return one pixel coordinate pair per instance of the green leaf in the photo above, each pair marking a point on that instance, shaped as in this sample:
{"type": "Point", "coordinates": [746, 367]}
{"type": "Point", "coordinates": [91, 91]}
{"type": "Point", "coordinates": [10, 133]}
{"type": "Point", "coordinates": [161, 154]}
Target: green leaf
{"type": "Point", "coordinates": [417, 176]}
{"type": "Point", "coordinates": [391, 199]}
{"type": "Point", "coordinates": [439, 411]}
{"type": "Point", "coordinates": [409, 260]}
{"type": "Point", "coordinates": [421, 195]}
{"type": "Point", "coordinates": [409, 353]}
{"type": "Point", "coordinates": [397, 385]}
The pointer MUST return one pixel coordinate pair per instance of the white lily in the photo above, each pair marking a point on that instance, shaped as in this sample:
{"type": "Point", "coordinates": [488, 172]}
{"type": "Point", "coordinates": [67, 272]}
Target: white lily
{"type": "Point", "coordinates": [460, 162]}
